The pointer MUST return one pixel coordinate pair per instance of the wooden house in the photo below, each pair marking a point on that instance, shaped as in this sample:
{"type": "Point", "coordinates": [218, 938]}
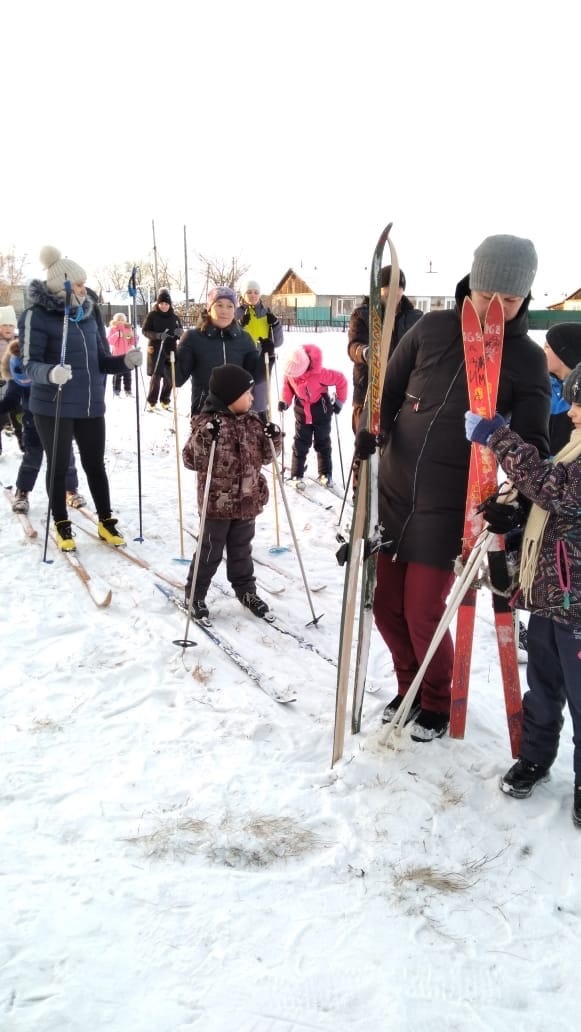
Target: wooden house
{"type": "Point", "coordinates": [308, 296]}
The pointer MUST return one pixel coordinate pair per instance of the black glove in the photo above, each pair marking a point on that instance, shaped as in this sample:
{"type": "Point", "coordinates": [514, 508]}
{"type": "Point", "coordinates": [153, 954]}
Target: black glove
{"type": "Point", "coordinates": [337, 406]}
{"type": "Point", "coordinates": [271, 430]}
{"type": "Point", "coordinates": [266, 346]}
{"type": "Point", "coordinates": [213, 428]}
{"type": "Point", "coordinates": [502, 517]}
{"type": "Point", "coordinates": [366, 443]}
{"type": "Point", "coordinates": [282, 406]}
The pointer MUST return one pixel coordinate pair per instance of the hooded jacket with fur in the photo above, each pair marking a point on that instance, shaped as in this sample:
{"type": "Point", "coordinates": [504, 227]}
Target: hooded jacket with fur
{"type": "Point", "coordinates": [40, 330]}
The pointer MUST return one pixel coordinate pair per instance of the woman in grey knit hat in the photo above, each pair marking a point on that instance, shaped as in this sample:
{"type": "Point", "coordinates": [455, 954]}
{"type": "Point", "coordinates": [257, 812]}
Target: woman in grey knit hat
{"type": "Point", "coordinates": [423, 471]}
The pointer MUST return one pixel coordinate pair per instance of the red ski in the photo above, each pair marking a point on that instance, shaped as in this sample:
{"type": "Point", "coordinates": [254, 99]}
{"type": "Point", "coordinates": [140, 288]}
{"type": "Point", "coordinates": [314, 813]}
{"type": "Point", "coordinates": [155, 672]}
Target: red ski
{"type": "Point", "coordinates": [483, 355]}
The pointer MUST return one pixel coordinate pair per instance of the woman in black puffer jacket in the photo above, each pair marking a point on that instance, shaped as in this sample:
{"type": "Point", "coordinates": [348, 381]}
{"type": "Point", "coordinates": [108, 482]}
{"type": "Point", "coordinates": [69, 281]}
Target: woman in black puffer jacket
{"type": "Point", "coordinates": [423, 471]}
{"type": "Point", "coordinates": [218, 340]}
{"type": "Point", "coordinates": [163, 328]}
{"type": "Point", "coordinates": [77, 377]}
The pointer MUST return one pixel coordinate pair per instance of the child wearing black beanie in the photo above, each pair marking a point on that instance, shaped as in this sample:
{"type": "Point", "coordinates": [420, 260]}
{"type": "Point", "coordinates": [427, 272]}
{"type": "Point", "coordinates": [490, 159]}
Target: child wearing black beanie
{"type": "Point", "coordinates": [229, 444]}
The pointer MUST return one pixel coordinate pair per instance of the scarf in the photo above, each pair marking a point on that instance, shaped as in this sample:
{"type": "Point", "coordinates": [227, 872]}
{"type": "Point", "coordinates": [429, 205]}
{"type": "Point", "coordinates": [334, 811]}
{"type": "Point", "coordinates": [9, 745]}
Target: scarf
{"type": "Point", "coordinates": [536, 523]}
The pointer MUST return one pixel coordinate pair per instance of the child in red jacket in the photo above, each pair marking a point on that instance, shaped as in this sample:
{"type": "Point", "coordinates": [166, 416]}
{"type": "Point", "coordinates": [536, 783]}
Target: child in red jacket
{"type": "Point", "coordinates": [307, 381]}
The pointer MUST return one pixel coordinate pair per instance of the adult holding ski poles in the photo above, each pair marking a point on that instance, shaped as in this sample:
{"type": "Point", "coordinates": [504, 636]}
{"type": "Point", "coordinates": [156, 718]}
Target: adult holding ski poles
{"type": "Point", "coordinates": [217, 340]}
{"type": "Point", "coordinates": [163, 328]}
{"type": "Point", "coordinates": [423, 470]}
{"type": "Point", "coordinates": [65, 355]}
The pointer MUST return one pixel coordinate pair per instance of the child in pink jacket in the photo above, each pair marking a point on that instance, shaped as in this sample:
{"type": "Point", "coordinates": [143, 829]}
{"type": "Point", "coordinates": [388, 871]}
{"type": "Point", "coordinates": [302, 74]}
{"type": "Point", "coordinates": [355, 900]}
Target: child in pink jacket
{"type": "Point", "coordinates": [121, 339]}
{"type": "Point", "coordinates": [307, 381]}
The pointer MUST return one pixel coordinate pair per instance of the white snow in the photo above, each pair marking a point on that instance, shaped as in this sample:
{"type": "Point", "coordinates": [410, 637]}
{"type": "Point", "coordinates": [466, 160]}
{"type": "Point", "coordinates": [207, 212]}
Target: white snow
{"type": "Point", "coordinates": [177, 854]}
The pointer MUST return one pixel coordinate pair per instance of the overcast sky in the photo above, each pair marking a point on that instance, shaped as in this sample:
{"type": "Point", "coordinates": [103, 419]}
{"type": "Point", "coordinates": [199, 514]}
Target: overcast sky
{"type": "Point", "coordinates": [280, 135]}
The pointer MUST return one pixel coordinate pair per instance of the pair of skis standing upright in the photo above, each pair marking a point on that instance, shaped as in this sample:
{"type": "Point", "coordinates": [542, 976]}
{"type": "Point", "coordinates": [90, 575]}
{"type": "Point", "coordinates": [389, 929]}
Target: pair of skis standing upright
{"type": "Point", "coordinates": [483, 354]}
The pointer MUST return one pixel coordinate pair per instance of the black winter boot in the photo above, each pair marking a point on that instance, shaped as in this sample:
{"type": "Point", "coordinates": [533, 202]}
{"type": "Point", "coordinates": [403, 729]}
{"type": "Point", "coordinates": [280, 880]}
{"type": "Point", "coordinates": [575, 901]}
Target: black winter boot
{"type": "Point", "coordinates": [522, 777]}
{"type": "Point", "coordinates": [254, 603]}
{"type": "Point", "coordinates": [200, 610]}
{"type": "Point", "coordinates": [393, 706]}
{"type": "Point", "coordinates": [429, 725]}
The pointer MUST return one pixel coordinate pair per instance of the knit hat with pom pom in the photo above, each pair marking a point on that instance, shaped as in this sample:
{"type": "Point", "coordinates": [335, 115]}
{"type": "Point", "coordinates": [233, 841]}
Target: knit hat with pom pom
{"type": "Point", "coordinates": [59, 269]}
{"type": "Point", "coordinates": [297, 363]}
{"type": "Point", "coordinates": [7, 316]}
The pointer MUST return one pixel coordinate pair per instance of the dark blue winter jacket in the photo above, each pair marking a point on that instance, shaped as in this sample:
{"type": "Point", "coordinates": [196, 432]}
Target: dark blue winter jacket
{"type": "Point", "coordinates": [40, 330]}
{"type": "Point", "coordinates": [202, 349]}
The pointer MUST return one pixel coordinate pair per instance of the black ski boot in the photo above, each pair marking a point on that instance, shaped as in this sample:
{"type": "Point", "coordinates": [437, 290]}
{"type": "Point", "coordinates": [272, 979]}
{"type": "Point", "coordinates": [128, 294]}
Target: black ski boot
{"type": "Point", "coordinates": [522, 777]}
{"type": "Point", "coordinates": [393, 706]}
{"type": "Point", "coordinates": [200, 610]}
{"type": "Point", "coordinates": [254, 603]}
{"type": "Point", "coordinates": [429, 725]}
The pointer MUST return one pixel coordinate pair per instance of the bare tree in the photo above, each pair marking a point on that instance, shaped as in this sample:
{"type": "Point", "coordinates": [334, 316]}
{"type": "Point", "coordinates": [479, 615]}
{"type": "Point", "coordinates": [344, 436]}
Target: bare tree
{"type": "Point", "coordinates": [12, 268]}
{"type": "Point", "coordinates": [222, 272]}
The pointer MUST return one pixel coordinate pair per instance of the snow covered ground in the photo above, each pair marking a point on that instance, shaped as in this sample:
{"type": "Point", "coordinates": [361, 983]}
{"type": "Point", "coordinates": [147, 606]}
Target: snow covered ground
{"type": "Point", "coordinates": [176, 852]}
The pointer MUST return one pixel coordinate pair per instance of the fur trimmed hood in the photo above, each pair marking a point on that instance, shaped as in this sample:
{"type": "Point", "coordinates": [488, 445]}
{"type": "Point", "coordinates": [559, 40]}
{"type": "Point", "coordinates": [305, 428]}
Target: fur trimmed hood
{"type": "Point", "coordinates": [39, 294]}
{"type": "Point", "coordinates": [12, 350]}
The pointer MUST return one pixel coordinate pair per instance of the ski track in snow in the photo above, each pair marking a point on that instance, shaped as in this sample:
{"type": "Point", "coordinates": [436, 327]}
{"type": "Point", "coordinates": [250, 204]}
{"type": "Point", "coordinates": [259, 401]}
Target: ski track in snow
{"type": "Point", "coordinates": [176, 853]}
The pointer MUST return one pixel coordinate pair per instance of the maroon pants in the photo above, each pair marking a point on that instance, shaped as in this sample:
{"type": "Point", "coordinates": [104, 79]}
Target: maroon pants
{"type": "Point", "coordinates": [409, 601]}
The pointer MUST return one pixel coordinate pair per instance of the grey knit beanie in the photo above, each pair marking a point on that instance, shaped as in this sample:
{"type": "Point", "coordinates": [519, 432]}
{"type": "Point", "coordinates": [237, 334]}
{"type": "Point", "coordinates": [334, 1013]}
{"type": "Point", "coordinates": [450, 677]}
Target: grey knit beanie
{"type": "Point", "coordinates": [59, 269]}
{"type": "Point", "coordinates": [504, 263]}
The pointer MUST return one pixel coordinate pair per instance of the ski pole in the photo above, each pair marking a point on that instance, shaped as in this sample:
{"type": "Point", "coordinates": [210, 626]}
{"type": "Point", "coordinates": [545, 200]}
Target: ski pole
{"type": "Point", "coordinates": [276, 549]}
{"type": "Point", "coordinates": [281, 417]}
{"type": "Point", "coordinates": [132, 291]}
{"type": "Point", "coordinates": [346, 492]}
{"type": "Point", "coordinates": [339, 447]}
{"type": "Point", "coordinates": [185, 642]}
{"type": "Point", "coordinates": [57, 416]}
{"type": "Point", "coordinates": [172, 360]}
{"type": "Point", "coordinates": [458, 592]}
{"type": "Point", "coordinates": [315, 619]}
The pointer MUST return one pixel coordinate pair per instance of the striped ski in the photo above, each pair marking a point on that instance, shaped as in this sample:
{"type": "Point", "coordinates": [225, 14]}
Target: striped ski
{"type": "Point", "coordinates": [362, 516]}
{"type": "Point", "coordinates": [380, 337]}
{"type": "Point", "coordinates": [483, 356]}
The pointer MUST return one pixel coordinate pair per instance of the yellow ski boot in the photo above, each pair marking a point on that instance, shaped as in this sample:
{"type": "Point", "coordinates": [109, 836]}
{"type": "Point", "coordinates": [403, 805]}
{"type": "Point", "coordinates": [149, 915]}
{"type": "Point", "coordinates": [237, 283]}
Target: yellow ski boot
{"type": "Point", "coordinates": [64, 536]}
{"type": "Point", "coordinates": [107, 531]}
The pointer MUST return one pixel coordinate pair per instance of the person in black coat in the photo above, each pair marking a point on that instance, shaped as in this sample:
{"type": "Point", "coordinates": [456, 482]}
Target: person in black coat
{"type": "Point", "coordinates": [358, 337]}
{"type": "Point", "coordinates": [423, 470]}
{"type": "Point", "coordinates": [163, 328]}
{"type": "Point", "coordinates": [218, 340]}
{"type": "Point", "coordinates": [66, 360]}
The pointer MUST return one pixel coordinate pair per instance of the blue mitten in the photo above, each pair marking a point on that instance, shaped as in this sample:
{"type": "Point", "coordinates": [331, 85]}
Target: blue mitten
{"type": "Point", "coordinates": [479, 428]}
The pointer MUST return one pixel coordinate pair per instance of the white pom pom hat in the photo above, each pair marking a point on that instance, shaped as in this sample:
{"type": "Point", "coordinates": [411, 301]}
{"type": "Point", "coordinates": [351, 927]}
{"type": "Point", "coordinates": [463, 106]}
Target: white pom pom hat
{"type": "Point", "coordinates": [59, 269]}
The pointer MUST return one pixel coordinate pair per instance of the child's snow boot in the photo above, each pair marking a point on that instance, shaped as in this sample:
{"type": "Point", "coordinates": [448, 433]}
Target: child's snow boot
{"type": "Point", "coordinates": [254, 603]}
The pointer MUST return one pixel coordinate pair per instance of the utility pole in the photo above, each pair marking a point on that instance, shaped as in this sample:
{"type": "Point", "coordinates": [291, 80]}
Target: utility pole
{"type": "Point", "coordinates": [186, 269]}
{"type": "Point", "coordinates": [155, 280]}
